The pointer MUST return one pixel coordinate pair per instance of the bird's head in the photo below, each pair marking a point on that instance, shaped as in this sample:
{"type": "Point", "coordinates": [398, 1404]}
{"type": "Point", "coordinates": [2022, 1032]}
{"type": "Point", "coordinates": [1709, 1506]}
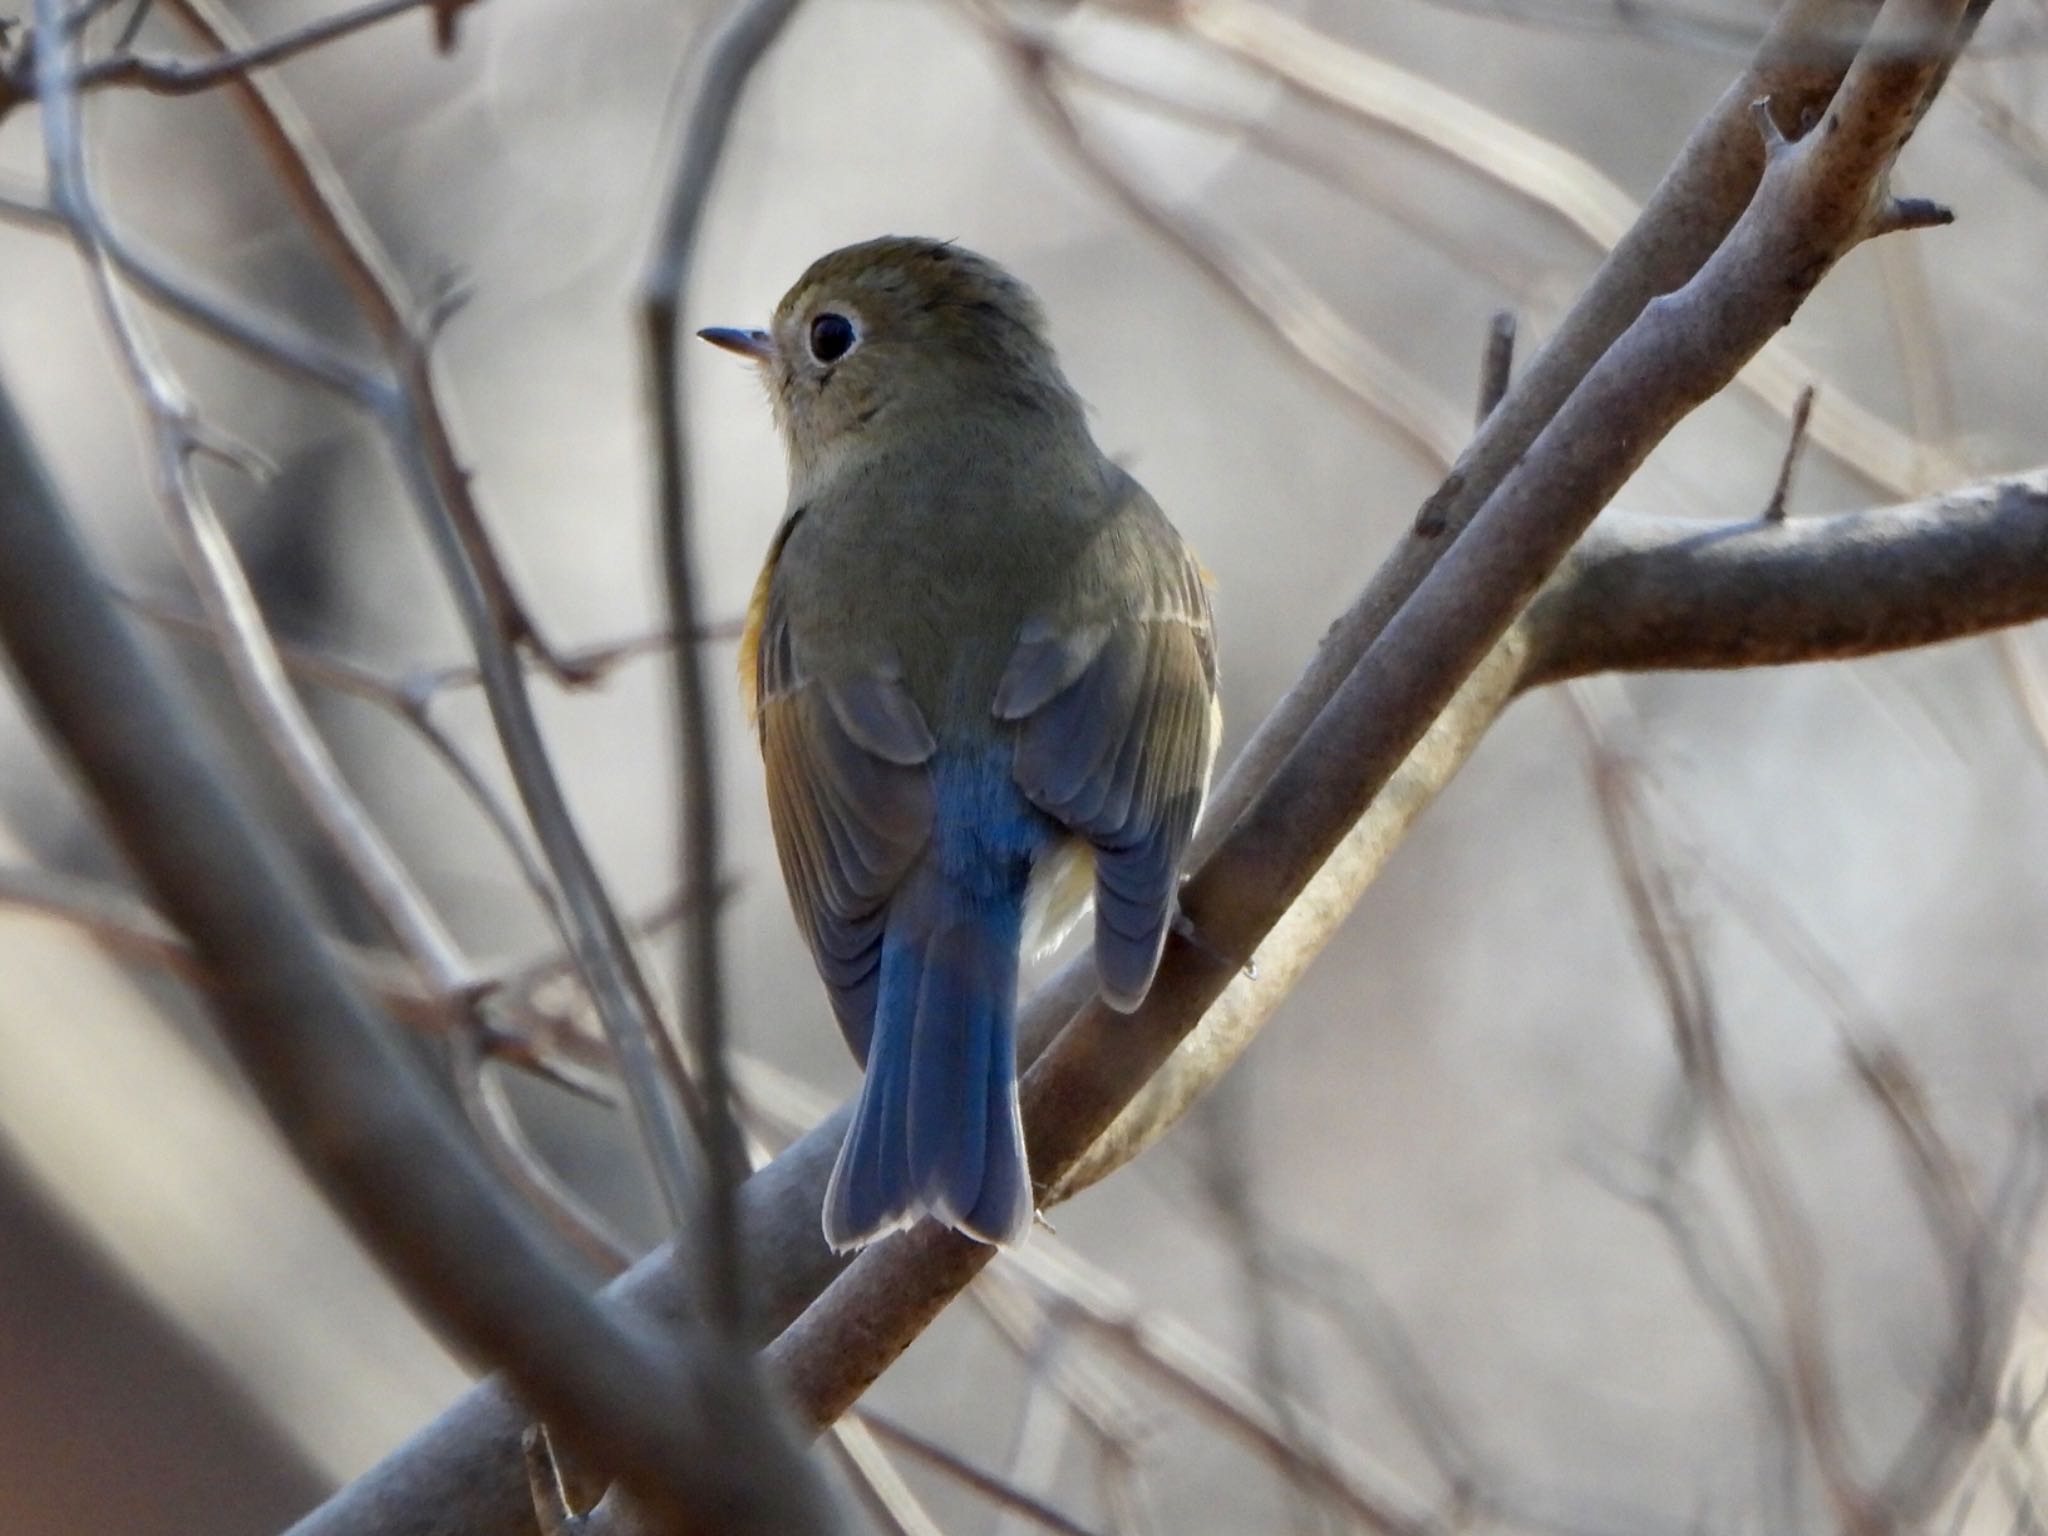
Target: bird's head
{"type": "Point", "coordinates": [895, 337]}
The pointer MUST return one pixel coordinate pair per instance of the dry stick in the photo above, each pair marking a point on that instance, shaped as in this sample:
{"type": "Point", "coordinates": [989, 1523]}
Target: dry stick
{"type": "Point", "coordinates": [1323, 69]}
{"type": "Point", "coordinates": [1349, 176]}
{"type": "Point", "coordinates": [1818, 198]}
{"type": "Point", "coordinates": [520, 1164]}
{"type": "Point", "coordinates": [1667, 946]}
{"type": "Point", "coordinates": [1683, 222]}
{"type": "Point", "coordinates": [663, 1412]}
{"type": "Point", "coordinates": [182, 77]}
{"type": "Point", "coordinates": [1774, 509]}
{"type": "Point", "coordinates": [1496, 368]}
{"type": "Point", "coordinates": [1283, 306]}
{"type": "Point", "coordinates": [430, 468]}
{"type": "Point", "coordinates": [247, 648]}
{"type": "Point", "coordinates": [408, 702]}
{"type": "Point", "coordinates": [999, 1492]}
{"type": "Point", "coordinates": [891, 1501]}
{"type": "Point", "coordinates": [741, 38]}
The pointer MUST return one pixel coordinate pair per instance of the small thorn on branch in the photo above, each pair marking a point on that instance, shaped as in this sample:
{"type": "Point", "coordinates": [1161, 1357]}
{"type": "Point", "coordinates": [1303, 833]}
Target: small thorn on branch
{"type": "Point", "coordinates": [1433, 517]}
{"type": "Point", "coordinates": [1775, 142]}
{"type": "Point", "coordinates": [1496, 368]}
{"type": "Point", "coordinates": [1904, 213]}
{"type": "Point", "coordinates": [1774, 510]}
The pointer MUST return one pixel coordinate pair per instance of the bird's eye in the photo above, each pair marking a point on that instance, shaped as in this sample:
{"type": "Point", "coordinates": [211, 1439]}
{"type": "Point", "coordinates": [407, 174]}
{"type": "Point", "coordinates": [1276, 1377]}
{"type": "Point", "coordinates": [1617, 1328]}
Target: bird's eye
{"type": "Point", "coordinates": [832, 337]}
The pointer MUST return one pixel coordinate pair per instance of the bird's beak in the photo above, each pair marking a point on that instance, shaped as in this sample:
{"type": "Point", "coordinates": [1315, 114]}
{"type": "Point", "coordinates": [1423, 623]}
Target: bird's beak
{"type": "Point", "coordinates": [758, 346]}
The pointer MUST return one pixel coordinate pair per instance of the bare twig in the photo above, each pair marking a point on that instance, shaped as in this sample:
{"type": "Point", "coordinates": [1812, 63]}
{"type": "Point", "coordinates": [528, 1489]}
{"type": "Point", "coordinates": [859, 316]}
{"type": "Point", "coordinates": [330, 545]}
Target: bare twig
{"type": "Point", "coordinates": [996, 1490]}
{"type": "Point", "coordinates": [381, 1146]}
{"type": "Point", "coordinates": [1496, 369]}
{"type": "Point", "coordinates": [1283, 306]}
{"type": "Point", "coordinates": [183, 77]}
{"type": "Point", "coordinates": [1774, 509]}
{"type": "Point", "coordinates": [744, 33]}
{"type": "Point", "coordinates": [1806, 45]}
{"type": "Point", "coordinates": [881, 1487]}
{"type": "Point", "coordinates": [496, 622]}
{"type": "Point", "coordinates": [520, 1164]}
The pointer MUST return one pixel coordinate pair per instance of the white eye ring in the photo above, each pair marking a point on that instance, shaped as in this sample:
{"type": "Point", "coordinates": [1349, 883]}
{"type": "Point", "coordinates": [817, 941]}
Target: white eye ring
{"type": "Point", "coordinates": [831, 336]}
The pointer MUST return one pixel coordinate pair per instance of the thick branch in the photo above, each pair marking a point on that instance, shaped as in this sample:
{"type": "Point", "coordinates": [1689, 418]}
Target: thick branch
{"type": "Point", "coordinates": [1815, 202]}
{"type": "Point", "coordinates": [1652, 593]}
{"type": "Point", "coordinates": [472, 1456]}
{"type": "Point", "coordinates": [381, 1146]}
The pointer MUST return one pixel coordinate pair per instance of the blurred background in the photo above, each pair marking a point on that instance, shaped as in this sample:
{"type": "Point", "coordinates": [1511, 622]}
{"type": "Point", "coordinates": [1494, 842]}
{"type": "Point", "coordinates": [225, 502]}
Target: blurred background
{"type": "Point", "coordinates": [1456, 1135]}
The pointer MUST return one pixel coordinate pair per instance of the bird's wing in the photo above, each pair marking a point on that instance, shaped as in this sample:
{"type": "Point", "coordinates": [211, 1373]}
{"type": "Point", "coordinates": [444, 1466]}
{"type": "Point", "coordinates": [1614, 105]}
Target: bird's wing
{"type": "Point", "coordinates": [850, 800]}
{"type": "Point", "coordinates": [1115, 702]}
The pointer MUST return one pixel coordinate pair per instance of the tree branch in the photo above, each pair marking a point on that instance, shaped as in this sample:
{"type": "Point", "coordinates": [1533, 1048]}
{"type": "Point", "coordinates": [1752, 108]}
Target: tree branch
{"type": "Point", "coordinates": [1665, 594]}
{"type": "Point", "coordinates": [667, 1413]}
{"type": "Point", "coordinates": [1815, 202]}
{"type": "Point", "coordinates": [469, 1461]}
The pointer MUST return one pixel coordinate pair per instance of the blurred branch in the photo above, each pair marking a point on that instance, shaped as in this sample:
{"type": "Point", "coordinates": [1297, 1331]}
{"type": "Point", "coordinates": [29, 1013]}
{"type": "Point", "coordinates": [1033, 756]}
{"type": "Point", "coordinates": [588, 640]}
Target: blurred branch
{"type": "Point", "coordinates": [662, 1411]}
{"type": "Point", "coordinates": [1278, 301]}
{"type": "Point", "coordinates": [409, 698]}
{"type": "Point", "coordinates": [997, 1491]}
{"type": "Point", "coordinates": [497, 623]}
{"type": "Point", "coordinates": [738, 41]}
{"type": "Point", "coordinates": [183, 77]}
{"type": "Point", "coordinates": [1806, 46]}
{"type": "Point", "coordinates": [1981, 1256]}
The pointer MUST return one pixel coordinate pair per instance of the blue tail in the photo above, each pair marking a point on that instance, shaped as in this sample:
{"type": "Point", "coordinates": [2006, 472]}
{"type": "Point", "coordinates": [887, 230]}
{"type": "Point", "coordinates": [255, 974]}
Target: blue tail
{"type": "Point", "coordinates": [937, 1127]}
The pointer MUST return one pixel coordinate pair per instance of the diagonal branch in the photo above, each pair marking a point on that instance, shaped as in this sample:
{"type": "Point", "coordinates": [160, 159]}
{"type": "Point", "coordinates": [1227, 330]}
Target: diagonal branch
{"type": "Point", "coordinates": [1819, 197]}
{"type": "Point", "coordinates": [468, 1462]}
{"type": "Point", "coordinates": [668, 1413]}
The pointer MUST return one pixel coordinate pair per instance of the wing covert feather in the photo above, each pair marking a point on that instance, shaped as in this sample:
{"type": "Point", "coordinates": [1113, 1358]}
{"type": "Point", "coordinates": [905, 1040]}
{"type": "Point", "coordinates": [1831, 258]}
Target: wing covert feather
{"type": "Point", "coordinates": [1120, 750]}
{"type": "Point", "coordinates": [850, 800]}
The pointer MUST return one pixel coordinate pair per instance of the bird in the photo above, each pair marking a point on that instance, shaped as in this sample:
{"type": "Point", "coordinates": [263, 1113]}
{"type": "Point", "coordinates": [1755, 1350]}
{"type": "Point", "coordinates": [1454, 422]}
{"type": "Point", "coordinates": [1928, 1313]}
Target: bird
{"type": "Point", "coordinates": [982, 668]}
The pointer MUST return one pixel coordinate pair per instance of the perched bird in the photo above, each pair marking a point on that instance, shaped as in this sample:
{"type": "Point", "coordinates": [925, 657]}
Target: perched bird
{"type": "Point", "coordinates": [982, 668]}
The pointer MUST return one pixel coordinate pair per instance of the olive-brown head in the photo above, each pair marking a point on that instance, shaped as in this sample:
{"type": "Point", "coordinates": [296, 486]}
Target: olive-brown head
{"type": "Point", "coordinates": [896, 336]}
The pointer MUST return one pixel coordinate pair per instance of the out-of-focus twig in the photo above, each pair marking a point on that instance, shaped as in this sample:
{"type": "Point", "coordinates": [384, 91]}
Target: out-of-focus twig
{"type": "Point", "coordinates": [657, 1409]}
{"type": "Point", "coordinates": [182, 77]}
{"type": "Point", "coordinates": [1496, 369]}
{"type": "Point", "coordinates": [1286, 308]}
{"type": "Point", "coordinates": [1774, 509]}
{"type": "Point", "coordinates": [742, 36]}
{"type": "Point", "coordinates": [494, 618]}
{"type": "Point", "coordinates": [1805, 44]}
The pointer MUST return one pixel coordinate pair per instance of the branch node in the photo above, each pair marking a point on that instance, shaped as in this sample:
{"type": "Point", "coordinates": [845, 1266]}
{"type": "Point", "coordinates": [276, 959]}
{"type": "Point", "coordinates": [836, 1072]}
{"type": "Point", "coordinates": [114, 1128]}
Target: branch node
{"type": "Point", "coordinates": [1434, 517]}
{"type": "Point", "coordinates": [1774, 140]}
{"type": "Point", "coordinates": [1898, 214]}
{"type": "Point", "coordinates": [1496, 369]}
{"type": "Point", "coordinates": [1774, 509]}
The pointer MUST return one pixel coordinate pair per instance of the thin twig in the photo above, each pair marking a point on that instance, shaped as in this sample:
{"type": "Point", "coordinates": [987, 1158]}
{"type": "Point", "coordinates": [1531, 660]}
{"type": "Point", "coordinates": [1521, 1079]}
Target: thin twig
{"type": "Point", "coordinates": [1496, 369]}
{"type": "Point", "coordinates": [1283, 306]}
{"type": "Point", "coordinates": [740, 39]}
{"type": "Point", "coordinates": [667, 1413]}
{"type": "Point", "coordinates": [183, 77]}
{"type": "Point", "coordinates": [1774, 509]}
{"type": "Point", "coordinates": [518, 1161]}
{"type": "Point", "coordinates": [494, 619]}
{"type": "Point", "coordinates": [996, 1490]}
